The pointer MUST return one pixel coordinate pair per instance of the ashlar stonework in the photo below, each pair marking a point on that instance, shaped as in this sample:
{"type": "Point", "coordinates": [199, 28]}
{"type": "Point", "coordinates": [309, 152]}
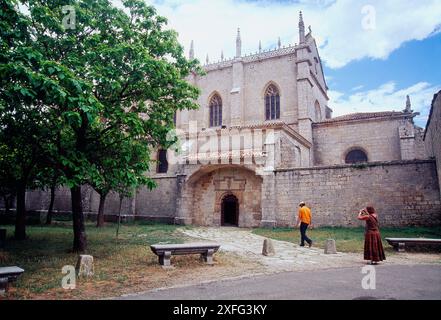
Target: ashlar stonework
{"type": "Point", "coordinates": [272, 142]}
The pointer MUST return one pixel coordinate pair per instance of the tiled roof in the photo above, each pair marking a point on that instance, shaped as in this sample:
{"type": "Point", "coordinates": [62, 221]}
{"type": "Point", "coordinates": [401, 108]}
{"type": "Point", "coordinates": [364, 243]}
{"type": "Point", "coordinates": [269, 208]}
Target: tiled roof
{"type": "Point", "coordinates": [365, 115]}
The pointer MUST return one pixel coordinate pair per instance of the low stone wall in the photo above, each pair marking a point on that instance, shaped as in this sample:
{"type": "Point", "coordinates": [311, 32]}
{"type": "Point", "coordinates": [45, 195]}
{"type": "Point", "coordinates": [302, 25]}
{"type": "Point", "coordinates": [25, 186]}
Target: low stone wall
{"type": "Point", "coordinates": [158, 205]}
{"type": "Point", "coordinates": [403, 192]}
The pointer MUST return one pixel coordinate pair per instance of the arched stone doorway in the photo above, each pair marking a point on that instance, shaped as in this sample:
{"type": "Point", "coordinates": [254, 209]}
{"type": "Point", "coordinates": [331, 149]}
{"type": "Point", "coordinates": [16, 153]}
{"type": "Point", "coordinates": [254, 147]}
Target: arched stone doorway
{"type": "Point", "coordinates": [203, 193]}
{"type": "Point", "coordinates": [230, 211]}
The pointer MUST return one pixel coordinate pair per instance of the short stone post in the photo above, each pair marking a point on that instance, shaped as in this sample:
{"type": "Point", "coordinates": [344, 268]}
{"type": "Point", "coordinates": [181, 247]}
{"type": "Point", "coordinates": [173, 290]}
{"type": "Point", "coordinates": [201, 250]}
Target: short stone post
{"type": "Point", "coordinates": [4, 284]}
{"type": "Point", "coordinates": [330, 247]}
{"type": "Point", "coordinates": [85, 266]}
{"type": "Point", "coordinates": [43, 217]}
{"type": "Point", "coordinates": [268, 248]}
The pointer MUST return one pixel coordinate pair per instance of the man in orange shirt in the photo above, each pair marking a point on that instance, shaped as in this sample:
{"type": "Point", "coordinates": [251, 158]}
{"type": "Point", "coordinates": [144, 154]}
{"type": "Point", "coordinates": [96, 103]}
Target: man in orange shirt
{"type": "Point", "coordinates": [304, 220]}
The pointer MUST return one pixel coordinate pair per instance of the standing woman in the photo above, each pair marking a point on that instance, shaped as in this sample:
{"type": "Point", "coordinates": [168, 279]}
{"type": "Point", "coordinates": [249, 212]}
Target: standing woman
{"type": "Point", "coordinates": [373, 247]}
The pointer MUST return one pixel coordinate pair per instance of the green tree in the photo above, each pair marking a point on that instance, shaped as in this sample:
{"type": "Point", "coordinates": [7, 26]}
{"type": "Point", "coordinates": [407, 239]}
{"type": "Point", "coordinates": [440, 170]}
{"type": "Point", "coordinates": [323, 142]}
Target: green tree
{"type": "Point", "coordinates": [49, 177]}
{"type": "Point", "coordinates": [129, 72]}
{"type": "Point", "coordinates": [120, 168]}
{"type": "Point", "coordinates": [31, 87]}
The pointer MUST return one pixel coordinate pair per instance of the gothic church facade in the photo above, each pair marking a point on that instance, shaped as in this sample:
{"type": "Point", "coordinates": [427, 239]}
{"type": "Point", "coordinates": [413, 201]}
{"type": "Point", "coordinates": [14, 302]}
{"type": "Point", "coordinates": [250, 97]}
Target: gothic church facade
{"type": "Point", "coordinates": [264, 139]}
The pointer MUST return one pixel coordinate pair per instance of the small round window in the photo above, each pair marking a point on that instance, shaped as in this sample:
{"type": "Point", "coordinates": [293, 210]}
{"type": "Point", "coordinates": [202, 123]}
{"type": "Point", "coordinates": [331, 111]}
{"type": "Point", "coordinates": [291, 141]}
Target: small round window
{"type": "Point", "coordinates": [356, 156]}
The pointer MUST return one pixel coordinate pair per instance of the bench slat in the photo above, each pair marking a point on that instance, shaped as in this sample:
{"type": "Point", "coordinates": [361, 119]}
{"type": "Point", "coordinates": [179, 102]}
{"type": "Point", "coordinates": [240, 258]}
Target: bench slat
{"type": "Point", "coordinates": [401, 243]}
{"type": "Point", "coordinates": [184, 245]}
{"type": "Point", "coordinates": [10, 271]}
{"type": "Point", "coordinates": [413, 240]}
{"type": "Point", "coordinates": [186, 248]}
{"type": "Point", "coordinates": [165, 251]}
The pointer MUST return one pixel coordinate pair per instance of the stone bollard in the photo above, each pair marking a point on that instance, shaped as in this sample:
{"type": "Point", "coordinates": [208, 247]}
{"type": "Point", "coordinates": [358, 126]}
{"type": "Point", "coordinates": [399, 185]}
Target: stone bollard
{"type": "Point", "coordinates": [330, 247]}
{"type": "Point", "coordinates": [85, 266]}
{"type": "Point", "coordinates": [3, 286]}
{"type": "Point", "coordinates": [43, 216]}
{"type": "Point", "coordinates": [268, 248]}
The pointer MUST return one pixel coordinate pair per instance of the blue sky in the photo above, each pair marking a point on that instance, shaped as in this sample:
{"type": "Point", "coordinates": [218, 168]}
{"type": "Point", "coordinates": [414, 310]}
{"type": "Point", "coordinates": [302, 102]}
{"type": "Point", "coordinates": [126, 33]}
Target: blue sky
{"type": "Point", "coordinates": [374, 52]}
{"type": "Point", "coordinates": [415, 62]}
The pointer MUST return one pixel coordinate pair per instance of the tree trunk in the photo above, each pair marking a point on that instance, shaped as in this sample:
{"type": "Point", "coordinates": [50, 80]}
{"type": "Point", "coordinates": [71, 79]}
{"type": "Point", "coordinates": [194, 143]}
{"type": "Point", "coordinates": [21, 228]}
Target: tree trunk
{"type": "Point", "coordinates": [51, 206]}
{"type": "Point", "coordinates": [20, 220]}
{"type": "Point", "coordinates": [80, 240]}
{"type": "Point", "coordinates": [100, 217]}
{"type": "Point", "coordinates": [7, 201]}
{"type": "Point", "coordinates": [119, 215]}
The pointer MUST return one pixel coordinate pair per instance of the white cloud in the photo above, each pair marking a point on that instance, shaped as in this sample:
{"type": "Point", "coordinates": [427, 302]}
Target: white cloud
{"type": "Point", "coordinates": [357, 88]}
{"type": "Point", "coordinates": [396, 22]}
{"type": "Point", "coordinates": [337, 25]}
{"type": "Point", "coordinates": [386, 98]}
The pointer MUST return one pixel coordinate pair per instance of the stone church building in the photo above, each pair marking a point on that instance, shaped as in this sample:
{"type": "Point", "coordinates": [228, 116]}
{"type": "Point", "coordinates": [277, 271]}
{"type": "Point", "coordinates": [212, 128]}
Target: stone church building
{"type": "Point", "coordinates": [264, 139]}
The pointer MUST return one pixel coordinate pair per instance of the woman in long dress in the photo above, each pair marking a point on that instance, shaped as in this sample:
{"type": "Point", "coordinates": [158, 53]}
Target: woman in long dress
{"type": "Point", "coordinates": [373, 247]}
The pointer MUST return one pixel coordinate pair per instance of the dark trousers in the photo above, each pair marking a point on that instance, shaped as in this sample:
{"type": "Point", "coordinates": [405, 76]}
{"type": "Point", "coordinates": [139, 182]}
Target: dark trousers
{"type": "Point", "coordinates": [303, 227]}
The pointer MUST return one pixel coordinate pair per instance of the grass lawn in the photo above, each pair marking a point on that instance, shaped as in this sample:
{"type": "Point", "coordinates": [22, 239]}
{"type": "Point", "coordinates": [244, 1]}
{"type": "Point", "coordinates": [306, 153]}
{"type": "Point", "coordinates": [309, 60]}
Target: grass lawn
{"type": "Point", "coordinates": [127, 265]}
{"type": "Point", "coordinates": [347, 239]}
{"type": "Point", "coordinates": [120, 264]}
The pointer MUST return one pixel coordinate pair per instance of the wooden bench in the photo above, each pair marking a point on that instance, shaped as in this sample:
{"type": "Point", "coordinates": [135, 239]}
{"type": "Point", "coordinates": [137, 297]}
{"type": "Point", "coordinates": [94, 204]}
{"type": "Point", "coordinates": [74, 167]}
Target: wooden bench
{"type": "Point", "coordinates": [8, 275]}
{"type": "Point", "coordinates": [399, 244]}
{"type": "Point", "coordinates": [165, 251]}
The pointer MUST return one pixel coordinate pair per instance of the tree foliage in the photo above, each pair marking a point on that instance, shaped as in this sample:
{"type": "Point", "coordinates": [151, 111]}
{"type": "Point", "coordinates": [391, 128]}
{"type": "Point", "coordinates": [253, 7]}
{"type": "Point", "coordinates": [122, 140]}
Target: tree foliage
{"type": "Point", "coordinates": [97, 97]}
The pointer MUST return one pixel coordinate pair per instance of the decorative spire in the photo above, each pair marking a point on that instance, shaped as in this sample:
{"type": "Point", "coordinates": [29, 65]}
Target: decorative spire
{"type": "Point", "coordinates": [222, 55]}
{"type": "Point", "coordinates": [408, 105]}
{"type": "Point", "coordinates": [238, 44]}
{"type": "Point", "coordinates": [301, 29]}
{"type": "Point", "coordinates": [192, 50]}
{"type": "Point", "coordinates": [279, 43]}
{"type": "Point", "coordinates": [208, 59]}
{"type": "Point", "coordinates": [310, 29]}
{"type": "Point", "coordinates": [260, 46]}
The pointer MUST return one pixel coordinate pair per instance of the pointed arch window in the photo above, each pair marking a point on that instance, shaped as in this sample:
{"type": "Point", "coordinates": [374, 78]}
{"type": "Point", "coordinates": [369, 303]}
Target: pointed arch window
{"type": "Point", "coordinates": [215, 111]}
{"type": "Point", "coordinates": [162, 161]}
{"type": "Point", "coordinates": [272, 103]}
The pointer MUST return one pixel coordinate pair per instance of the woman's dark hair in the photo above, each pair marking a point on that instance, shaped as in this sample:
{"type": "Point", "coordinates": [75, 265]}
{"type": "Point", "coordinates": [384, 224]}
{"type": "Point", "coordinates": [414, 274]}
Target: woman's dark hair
{"type": "Point", "coordinates": [370, 210]}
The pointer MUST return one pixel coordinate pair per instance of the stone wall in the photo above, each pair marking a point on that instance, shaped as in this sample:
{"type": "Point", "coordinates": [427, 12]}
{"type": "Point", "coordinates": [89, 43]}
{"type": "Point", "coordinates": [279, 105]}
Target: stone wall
{"type": "Point", "coordinates": [241, 83]}
{"type": "Point", "coordinates": [403, 192]}
{"type": "Point", "coordinates": [379, 139]}
{"type": "Point", "coordinates": [241, 86]}
{"type": "Point", "coordinates": [156, 205]}
{"type": "Point", "coordinates": [257, 75]}
{"type": "Point", "coordinates": [432, 136]}
{"type": "Point", "coordinates": [159, 203]}
{"type": "Point", "coordinates": [38, 201]}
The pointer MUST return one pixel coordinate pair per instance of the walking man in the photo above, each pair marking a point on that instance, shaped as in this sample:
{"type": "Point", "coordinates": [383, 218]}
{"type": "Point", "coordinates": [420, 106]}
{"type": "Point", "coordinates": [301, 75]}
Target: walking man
{"type": "Point", "coordinates": [304, 220]}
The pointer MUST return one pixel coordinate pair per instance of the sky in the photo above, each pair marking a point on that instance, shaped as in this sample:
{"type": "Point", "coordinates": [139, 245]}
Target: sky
{"type": "Point", "coordinates": [375, 52]}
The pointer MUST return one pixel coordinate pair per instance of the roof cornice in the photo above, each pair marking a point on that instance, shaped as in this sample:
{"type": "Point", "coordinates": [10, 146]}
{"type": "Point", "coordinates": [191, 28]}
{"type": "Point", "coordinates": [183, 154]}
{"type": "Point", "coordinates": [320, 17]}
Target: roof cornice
{"type": "Point", "coordinates": [331, 122]}
{"type": "Point", "coordinates": [260, 56]}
